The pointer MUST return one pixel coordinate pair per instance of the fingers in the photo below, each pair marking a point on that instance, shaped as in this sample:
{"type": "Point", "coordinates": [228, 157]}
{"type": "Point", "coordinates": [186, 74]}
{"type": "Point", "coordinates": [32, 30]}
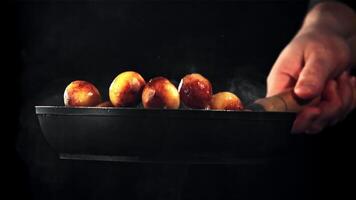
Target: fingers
{"type": "Point", "coordinates": [309, 64]}
{"type": "Point", "coordinates": [313, 77]}
{"type": "Point", "coordinates": [338, 99]}
{"type": "Point", "coordinates": [330, 106]}
{"type": "Point", "coordinates": [337, 102]}
{"type": "Point", "coordinates": [305, 119]}
{"type": "Point", "coordinates": [325, 58]}
{"type": "Point", "coordinates": [345, 90]}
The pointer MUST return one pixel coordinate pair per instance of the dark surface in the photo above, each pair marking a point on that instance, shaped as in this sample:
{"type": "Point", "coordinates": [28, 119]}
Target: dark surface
{"type": "Point", "coordinates": [233, 44]}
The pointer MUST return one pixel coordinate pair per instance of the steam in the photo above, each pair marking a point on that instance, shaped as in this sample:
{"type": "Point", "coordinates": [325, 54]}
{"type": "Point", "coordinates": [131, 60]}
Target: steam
{"type": "Point", "coordinates": [247, 84]}
{"type": "Point", "coordinates": [192, 69]}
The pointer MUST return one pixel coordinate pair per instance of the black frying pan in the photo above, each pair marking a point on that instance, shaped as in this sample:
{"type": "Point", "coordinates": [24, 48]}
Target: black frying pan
{"type": "Point", "coordinates": [139, 135]}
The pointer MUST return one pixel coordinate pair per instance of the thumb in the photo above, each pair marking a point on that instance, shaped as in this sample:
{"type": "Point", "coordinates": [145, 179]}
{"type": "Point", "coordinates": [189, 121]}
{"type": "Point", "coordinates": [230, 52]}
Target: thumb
{"type": "Point", "coordinates": [313, 77]}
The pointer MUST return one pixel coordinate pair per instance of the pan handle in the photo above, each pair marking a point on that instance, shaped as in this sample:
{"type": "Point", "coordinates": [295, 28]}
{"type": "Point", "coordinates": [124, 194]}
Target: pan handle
{"type": "Point", "coordinates": [286, 101]}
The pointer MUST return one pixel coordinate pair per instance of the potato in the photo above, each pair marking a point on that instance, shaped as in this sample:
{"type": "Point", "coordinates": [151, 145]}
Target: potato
{"type": "Point", "coordinates": [125, 90]}
{"type": "Point", "coordinates": [195, 91]}
{"type": "Point", "coordinates": [81, 93]}
{"type": "Point", "coordinates": [159, 92]}
{"type": "Point", "coordinates": [225, 101]}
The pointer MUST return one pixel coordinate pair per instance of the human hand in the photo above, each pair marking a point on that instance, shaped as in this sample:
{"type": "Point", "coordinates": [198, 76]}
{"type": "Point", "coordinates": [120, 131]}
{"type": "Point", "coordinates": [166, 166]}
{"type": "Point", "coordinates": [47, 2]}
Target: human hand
{"type": "Point", "coordinates": [316, 63]}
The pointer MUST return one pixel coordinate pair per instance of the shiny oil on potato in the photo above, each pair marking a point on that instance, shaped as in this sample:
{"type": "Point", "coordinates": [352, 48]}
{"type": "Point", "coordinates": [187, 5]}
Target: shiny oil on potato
{"type": "Point", "coordinates": [81, 93]}
{"type": "Point", "coordinates": [225, 101]}
{"type": "Point", "coordinates": [159, 92]}
{"type": "Point", "coordinates": [195, 91]}
{"type": "Point", "coordinates": [125, 90]}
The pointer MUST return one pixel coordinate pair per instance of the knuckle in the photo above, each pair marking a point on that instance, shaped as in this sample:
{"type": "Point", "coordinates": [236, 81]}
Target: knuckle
{"type": "Point", "coordinates": [332, 48]}
{"type": "Point", "coordinates": [342, 52]}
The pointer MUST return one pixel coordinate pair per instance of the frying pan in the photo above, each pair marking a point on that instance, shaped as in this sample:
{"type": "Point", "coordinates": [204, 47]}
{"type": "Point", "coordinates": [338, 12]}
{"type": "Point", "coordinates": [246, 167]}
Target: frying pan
{"type": "Point", "coordinates": [171, 136]}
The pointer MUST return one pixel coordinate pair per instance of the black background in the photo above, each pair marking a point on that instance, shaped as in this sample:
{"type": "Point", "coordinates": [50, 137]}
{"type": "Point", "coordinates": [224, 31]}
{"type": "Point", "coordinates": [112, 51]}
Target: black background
{"type": "Point", "coordinates": [233, 43]}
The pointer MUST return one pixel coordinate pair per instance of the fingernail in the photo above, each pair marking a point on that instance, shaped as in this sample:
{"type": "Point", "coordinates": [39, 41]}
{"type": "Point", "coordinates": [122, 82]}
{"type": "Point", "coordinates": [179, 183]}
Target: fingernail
{"type": "Point", "coordinates": [306, 90]}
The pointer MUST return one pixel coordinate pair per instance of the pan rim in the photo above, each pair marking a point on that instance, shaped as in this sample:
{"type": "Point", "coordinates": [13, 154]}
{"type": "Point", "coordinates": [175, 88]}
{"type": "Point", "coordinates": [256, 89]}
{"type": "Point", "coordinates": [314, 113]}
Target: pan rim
{"type": "Point", "coordinates": [170, 113]}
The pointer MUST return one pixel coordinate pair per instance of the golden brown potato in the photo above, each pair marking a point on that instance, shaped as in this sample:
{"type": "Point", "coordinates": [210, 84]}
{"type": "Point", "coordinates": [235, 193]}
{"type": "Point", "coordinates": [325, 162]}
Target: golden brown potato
{"type": "Point", "coordinates": [195, 91]}
{"type": "Point", "coordinates": [105, 104]}
{"type": "Point", "coordinates": [81, 93]}
{"type": "Point", "coordinates": [159, 92]}
{"type": "Point", "coordinates": [126, 89]}
{"type": "Point", "coordinates": [225, 101]}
